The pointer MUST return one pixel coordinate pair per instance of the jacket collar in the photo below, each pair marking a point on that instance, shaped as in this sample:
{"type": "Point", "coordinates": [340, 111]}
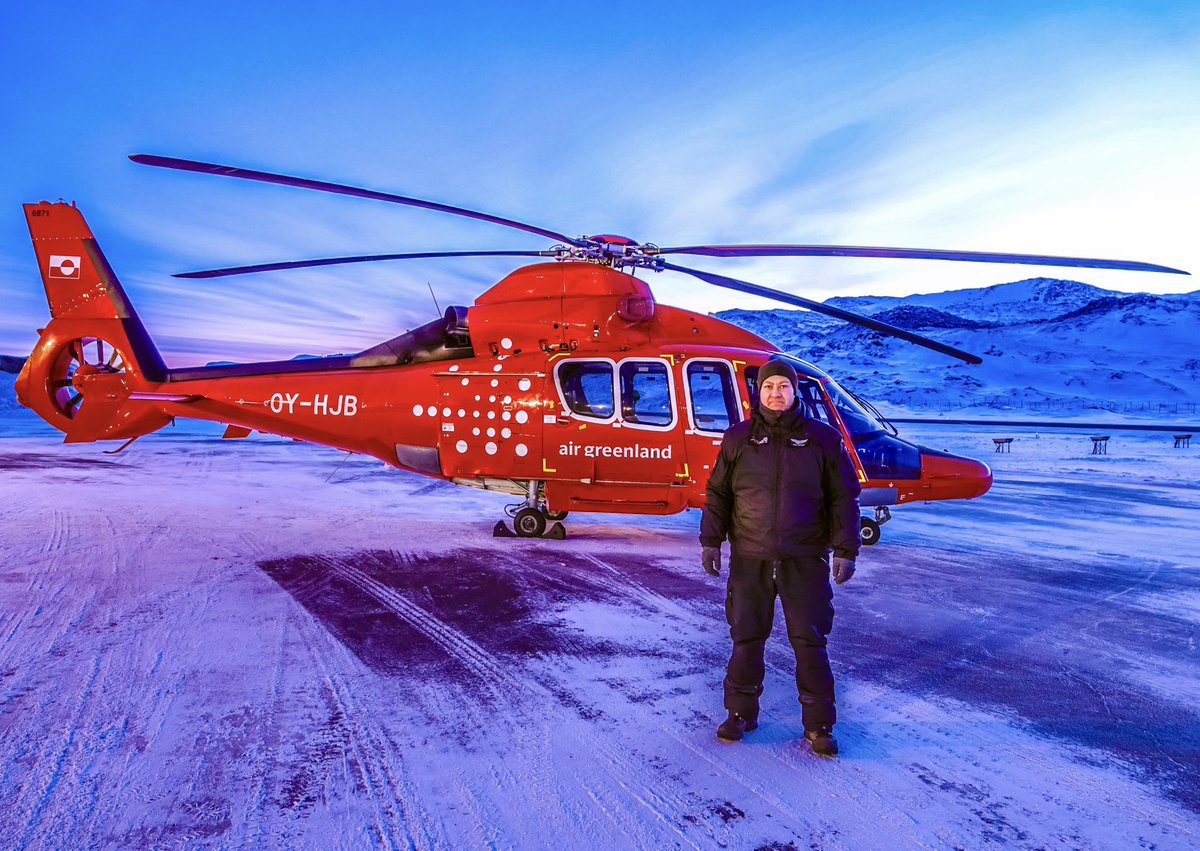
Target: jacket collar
{"type": "Point", "coordinates": [765, 419]}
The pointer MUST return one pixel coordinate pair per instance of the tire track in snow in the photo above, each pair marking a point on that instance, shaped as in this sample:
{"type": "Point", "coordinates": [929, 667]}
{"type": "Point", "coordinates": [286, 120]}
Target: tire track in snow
{"type": "Point", "coordinates": [366, 742]}
{"type": "Point", "coordinates": [48, 782]}
{"type": "Point", "coordinates": [58, 614]}
{"type": "Point", "coordinates": [62, 626]}
{"type": "Point", "coordinates": [254, 813]}
{"type": "Point", "coordinates": [619, 765]}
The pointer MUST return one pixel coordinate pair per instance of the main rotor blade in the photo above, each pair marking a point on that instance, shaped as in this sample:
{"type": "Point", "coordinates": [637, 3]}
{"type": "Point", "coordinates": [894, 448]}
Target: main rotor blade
{"type": "Point", "coordinates": [816, 306]}
{"type": "Point", "coordinates": [340, 189]}
{"type": "Point", "coordinates": [913, 254]}
{"type": "Point", "coordinates": [363, 258]}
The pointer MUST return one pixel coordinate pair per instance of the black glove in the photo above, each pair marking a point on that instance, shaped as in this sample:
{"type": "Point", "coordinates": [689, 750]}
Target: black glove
{"type": "Point", "coordinates": [710, 560]}
{"type": "Point", "coordinates": [843, 569]}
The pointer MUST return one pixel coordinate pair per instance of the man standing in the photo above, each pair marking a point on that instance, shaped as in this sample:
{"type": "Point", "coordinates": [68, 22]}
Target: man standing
{"type": "Point", "coordinates": [784, 491]}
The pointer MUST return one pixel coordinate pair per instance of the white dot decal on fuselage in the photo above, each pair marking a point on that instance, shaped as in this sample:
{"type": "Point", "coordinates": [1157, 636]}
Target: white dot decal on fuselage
{"type": "Point", "coordinates": [522, 450]}
{"type": "Point", "coordinates": [461, 446]}
{"type": "Point", "coordinates": [490, 448]}
{"type": "Point", "coordinates": [524, 384]}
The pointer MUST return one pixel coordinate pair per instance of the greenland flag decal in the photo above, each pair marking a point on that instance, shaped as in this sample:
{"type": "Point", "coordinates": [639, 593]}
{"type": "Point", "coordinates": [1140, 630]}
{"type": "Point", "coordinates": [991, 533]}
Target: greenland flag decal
{"type": "Point", "coordinates": [63, 266]}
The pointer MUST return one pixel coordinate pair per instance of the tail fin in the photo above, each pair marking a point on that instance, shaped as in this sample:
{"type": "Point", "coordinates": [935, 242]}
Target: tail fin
{"type": "Point", "coordinates": [95, 352]}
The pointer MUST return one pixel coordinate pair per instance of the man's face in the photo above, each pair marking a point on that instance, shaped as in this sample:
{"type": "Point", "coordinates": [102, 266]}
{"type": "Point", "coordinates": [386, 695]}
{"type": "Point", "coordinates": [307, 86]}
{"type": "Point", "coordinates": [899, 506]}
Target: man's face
{"type": "Point", "coordinates": [777, 393]}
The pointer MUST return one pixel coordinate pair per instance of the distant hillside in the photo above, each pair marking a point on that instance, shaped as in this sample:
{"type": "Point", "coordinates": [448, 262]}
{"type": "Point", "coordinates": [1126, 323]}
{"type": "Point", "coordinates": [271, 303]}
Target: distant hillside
{"type": "Point", "coordinates": [1048, 345]}
{"type": "Point", "coordinates": [11, 364]}
{"type": "Point", "coordinates": [1032, 298]}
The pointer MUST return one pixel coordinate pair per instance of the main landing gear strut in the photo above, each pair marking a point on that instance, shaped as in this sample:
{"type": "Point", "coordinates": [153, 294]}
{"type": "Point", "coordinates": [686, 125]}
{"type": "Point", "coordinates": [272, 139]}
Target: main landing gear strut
{"type": "Point", "coordinates": [530, 519]}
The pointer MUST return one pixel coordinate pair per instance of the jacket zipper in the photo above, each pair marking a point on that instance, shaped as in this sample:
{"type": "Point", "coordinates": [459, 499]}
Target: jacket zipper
{"type": "Point", "coordinates": [778, 494]}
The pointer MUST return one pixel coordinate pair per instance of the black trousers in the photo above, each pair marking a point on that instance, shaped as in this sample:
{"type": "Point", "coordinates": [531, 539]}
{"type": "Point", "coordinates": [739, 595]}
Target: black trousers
{"type": "Point", "coordinates": [802, 585]}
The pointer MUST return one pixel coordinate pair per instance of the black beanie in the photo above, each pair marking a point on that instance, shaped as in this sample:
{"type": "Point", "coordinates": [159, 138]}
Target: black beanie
{"type": "Point", "coordinates": [777, 366]}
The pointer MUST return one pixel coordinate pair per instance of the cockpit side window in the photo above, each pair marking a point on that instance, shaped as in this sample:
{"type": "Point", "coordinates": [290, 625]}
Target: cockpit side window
{"type": "Point", "coordinates": [710, 390]}
{"type": "Point", "coordinates": [857, 419]}
{"type": "Point", "coordinates": [587, 388]}
{"type": "Point", "coordinates": [646, 393]}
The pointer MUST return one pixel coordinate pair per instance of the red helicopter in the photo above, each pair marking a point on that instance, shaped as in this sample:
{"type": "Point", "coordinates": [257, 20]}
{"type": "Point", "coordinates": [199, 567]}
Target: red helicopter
{"type": "Point", "coordinates": [566, 384]}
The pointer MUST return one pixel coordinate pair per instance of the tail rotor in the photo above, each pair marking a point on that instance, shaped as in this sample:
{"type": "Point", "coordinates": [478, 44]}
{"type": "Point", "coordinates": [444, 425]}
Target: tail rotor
{"type": "Point", "coordinates": [81, 357]}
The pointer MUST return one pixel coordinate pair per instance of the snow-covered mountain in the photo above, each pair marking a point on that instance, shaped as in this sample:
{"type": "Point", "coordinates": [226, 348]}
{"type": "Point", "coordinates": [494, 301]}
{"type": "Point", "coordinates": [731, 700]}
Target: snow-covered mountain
{"type": "Point", "coordinates": [1033, 298]}
{"type": "Point", "coordinates": [1048, 346]}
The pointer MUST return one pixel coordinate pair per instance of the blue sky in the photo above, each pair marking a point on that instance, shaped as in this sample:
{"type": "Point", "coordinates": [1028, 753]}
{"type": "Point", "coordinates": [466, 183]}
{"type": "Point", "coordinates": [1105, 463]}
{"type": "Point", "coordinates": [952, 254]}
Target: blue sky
{"type": "Point", "coordinates": [1057, 128]}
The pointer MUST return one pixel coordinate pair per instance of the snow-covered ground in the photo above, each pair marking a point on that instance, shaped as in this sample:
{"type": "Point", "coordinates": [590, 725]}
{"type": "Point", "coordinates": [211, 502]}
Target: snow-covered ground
{"type": "Point", "coordinates": [232, 644]}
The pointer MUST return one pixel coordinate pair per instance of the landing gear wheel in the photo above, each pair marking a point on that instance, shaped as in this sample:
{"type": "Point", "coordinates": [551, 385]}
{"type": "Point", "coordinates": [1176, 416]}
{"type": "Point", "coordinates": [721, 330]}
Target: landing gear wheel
{"type": "Point", "coordinates": [556, 515]}
{"type": "Point", "coordinates": [870, 531]}
{"type": "Point", "coordinates": [529, 523]}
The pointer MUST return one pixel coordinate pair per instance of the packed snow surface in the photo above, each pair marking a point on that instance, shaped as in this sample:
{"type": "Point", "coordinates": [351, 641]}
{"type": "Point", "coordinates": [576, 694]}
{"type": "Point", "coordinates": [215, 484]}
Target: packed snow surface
{"type": "Point", "coordinates": [238, 644]}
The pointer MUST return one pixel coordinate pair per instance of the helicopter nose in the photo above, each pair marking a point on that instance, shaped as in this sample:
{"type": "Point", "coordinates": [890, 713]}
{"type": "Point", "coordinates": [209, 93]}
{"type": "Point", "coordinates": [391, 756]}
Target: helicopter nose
{"type": "Point", "coordinates": [948, 476]}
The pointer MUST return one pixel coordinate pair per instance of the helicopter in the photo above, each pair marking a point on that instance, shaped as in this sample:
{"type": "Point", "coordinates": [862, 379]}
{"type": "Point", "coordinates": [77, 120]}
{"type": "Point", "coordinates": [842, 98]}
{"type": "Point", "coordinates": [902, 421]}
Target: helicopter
{"type": "Point", "coordinates": [565, 384]}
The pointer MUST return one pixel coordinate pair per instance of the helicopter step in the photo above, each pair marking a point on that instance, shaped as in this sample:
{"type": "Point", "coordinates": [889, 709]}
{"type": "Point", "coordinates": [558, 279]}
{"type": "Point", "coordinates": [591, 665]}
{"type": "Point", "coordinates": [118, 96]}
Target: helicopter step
{"type": "Point", "coordinates": [869, 529]}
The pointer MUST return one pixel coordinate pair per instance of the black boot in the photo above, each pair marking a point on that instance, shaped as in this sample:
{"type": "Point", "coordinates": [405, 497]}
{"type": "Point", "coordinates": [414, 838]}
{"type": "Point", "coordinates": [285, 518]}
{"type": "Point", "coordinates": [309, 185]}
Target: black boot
{"type": "Point", "coordinates": [734, 727]}
{"type": "Point", "coordinates": [822, 740]}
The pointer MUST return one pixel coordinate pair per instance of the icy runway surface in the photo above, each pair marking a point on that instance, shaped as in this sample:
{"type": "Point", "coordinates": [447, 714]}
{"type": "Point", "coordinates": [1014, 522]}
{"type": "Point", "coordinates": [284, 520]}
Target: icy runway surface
{"type": "Point", "coordinates": [205, 644]}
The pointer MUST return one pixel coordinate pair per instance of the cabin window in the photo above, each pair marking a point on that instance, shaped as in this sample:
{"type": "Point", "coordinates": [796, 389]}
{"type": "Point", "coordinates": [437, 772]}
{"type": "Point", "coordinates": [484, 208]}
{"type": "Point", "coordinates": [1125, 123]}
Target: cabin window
{"type": "Point", "coordinates": [587, 388]}
{"type": "Point", "coordinates": [646, 393]}
{"type": "Point", "coordinates": [710, 391]}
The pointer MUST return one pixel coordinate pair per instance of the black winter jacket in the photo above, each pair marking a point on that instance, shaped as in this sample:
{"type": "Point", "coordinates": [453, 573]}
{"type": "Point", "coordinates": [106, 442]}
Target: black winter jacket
{"type": "Point", "coordinates": [782, 490]}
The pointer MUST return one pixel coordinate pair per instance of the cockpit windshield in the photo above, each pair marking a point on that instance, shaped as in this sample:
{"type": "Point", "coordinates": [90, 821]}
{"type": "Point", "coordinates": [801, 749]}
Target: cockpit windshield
{"type": "Point", "coordinates": [857, 418]}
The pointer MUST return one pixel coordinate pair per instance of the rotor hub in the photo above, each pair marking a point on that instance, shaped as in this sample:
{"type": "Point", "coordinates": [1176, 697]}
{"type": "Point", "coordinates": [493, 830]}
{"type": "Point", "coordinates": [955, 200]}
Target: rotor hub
{"type": "Point", "coordinates": [611, 250]}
